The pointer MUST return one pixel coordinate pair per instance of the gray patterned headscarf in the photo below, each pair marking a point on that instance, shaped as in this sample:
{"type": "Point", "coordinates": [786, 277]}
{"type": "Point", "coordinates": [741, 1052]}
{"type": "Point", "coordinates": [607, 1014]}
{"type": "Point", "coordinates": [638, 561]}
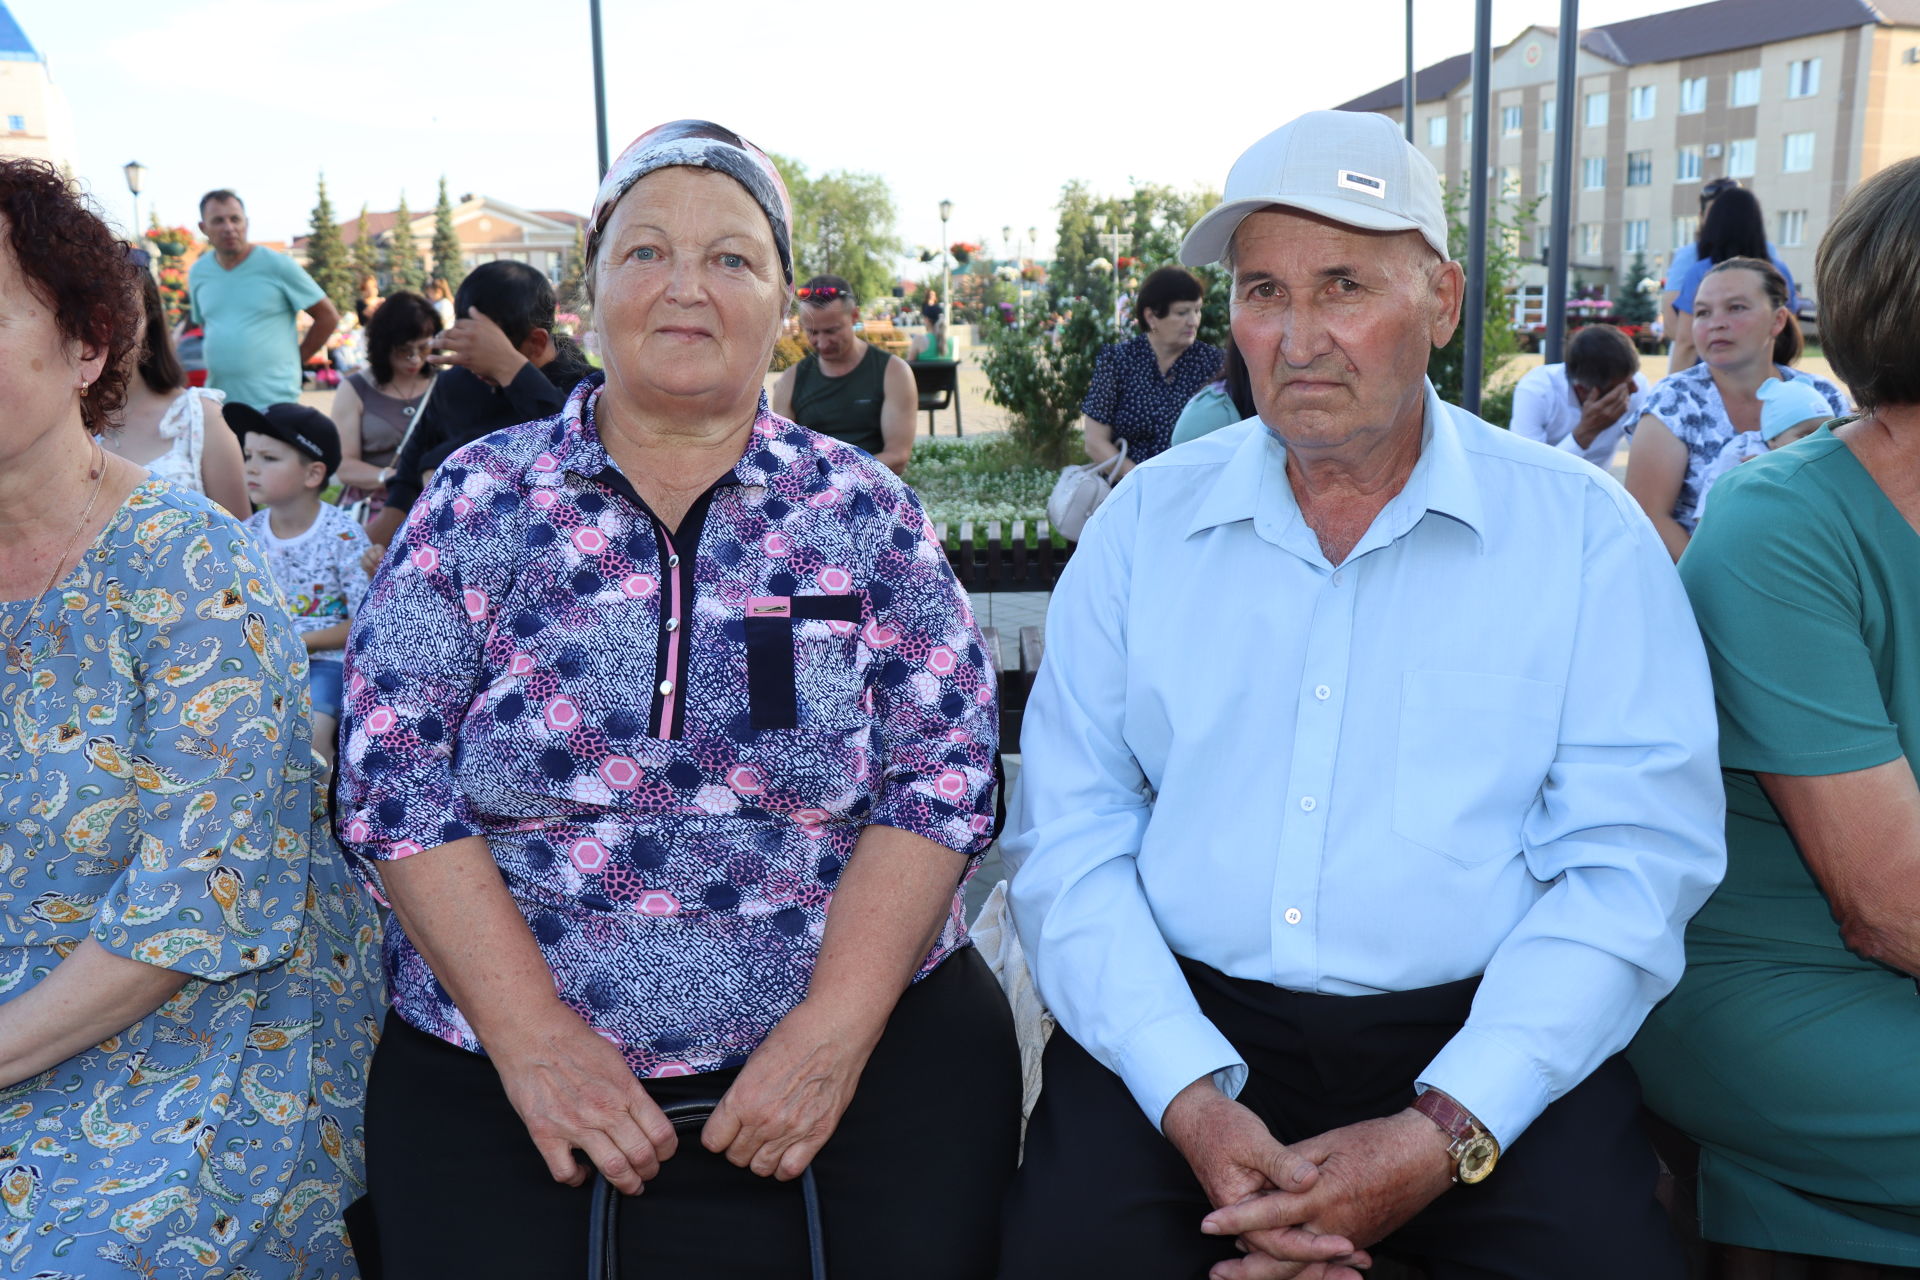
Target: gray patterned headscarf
{"type": "Point", "coordinates": [698, 144]}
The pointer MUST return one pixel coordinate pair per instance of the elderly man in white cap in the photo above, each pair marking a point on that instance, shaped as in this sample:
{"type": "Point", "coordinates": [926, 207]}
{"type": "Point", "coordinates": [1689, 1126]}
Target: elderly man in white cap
{"type": "Point", "coordinates": [1369, 783]}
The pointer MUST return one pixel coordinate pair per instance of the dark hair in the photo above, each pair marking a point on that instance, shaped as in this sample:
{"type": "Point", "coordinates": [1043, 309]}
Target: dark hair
{"type": "Point", "coordinates": [1238, 384]}
{"type": "Point", "coordinates": [1599, 355]}
{"type": "Point", "coordinates": [828, 282]}
{"type": "Point", "coordinates": [73, 264]}
{"type": "Point", "coordinates": [1162, 289]}
{"type": "Point", "coordinates": [512, 294]}
{"type": "Point", "coordinates": [404, 317]}
{"type": "Point", "coordinates": [219, 193]}
{"type": "Point", "coordinates": [159, 365]}
{"type": "Point", "coordinates": [1733, 227]}
{"type": "Point", "coordinates": [1868, 269]}
{"type": "Point", "coordinates": [1714, 189]}
{"type": "Point", "coordinates": [1788, 343]}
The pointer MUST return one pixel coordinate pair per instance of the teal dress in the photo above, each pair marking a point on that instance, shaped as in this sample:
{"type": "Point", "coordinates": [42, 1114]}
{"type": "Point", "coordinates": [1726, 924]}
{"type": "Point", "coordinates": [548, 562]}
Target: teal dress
{"type": "Point", "coordinates": [158, 794]}
{"type": "Point", "coordinates": [1792, 1061]}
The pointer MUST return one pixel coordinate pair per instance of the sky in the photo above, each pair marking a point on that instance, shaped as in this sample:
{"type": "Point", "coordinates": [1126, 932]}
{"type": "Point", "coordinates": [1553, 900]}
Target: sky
{"type": "Point", "coordinates": [993, 104]}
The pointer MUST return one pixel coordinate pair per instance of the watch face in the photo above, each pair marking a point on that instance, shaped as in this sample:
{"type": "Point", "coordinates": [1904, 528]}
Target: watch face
{"type": "Point", "coordinates": [1477, 1159]}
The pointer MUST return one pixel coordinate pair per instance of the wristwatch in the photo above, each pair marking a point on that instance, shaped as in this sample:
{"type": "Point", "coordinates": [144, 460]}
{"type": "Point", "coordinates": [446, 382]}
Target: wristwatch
{"type": "Point", "coordinates": [1472, 1148]}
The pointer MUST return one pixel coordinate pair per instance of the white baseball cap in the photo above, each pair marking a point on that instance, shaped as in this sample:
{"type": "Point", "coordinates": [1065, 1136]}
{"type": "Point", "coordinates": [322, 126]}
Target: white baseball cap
{"type": "Point", "coordinates": [1352, 167]}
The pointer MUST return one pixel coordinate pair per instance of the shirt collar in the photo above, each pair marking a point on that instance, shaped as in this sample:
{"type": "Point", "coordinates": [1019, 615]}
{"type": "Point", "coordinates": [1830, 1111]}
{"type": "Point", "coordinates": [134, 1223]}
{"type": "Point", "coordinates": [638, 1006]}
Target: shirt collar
{"type": "Point", "coordinates": [574, 445]}
{"type": "Point", "coordinates": [1253, 486]}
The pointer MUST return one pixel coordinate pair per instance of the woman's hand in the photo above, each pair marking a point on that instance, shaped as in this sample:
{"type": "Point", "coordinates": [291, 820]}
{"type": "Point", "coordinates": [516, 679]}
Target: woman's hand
{"type": "Point", "coordinates": [575, 1092]}
{"type": "Point", "coordinates": [790, 1096]}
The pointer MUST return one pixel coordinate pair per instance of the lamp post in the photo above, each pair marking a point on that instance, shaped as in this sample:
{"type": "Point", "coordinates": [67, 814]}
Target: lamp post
{"type": "Point", "coordinates": [135, 172]}
{"type": "Point", "coordinates": [599, 85]}
{"type": "Point", "coordinates": [1114, 242]}
{"type": "Point", "coordinates": [1006, 241]}
{"type": "Point", "coordinates": [946, 266]}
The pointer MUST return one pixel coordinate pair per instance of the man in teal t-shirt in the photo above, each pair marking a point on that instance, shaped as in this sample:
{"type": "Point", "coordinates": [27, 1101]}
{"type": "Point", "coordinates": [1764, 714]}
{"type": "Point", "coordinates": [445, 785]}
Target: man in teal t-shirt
{"type": "Point", "coordinates": [247, 298]}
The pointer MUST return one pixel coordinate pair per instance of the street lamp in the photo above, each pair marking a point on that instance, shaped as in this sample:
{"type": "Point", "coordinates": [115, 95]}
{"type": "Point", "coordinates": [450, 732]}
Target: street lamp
{"type": "Point", "coordinates": [135, 172]}
{"type": "Point", "coordinates": [946, 267]}
{"type": "Point", "coordinates": [1115, 242]}
{"type": "Point", "coordinates": [1006, 241]}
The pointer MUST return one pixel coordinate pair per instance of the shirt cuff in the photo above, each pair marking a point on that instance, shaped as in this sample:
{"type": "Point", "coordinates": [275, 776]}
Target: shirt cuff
{"type": "Point", "coordinates": [1503, 1088]}
{"type": "Point", "coordinates": [1162, 1058]}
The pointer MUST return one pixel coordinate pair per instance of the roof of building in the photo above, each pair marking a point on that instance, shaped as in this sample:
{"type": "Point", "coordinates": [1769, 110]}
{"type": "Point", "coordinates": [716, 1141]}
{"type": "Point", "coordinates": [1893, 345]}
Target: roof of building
{"type": "Point", "coordinates": [1718, 26]}
{"type": "Point", "coordinates": [378, 224]}
{"type": "Point", "coordinates": [14, 45]}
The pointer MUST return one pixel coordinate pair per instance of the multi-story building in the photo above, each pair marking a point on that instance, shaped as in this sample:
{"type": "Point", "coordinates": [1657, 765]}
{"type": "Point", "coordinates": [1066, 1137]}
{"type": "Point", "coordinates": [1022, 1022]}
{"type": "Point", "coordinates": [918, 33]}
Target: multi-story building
{"type": "Point", "coordinates": [488, 229]}
{"type": "Point", "coordinates": [38, 123]}
{"type": "Point", "coordinates": [1798, 99]}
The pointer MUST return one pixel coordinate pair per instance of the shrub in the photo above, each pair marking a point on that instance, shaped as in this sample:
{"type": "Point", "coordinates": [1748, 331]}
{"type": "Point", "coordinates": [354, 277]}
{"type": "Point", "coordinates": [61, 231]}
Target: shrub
{"type": "Point", "coordinates": [1041, 377]}
{"type": "Point", "coordinates": [787, 352]}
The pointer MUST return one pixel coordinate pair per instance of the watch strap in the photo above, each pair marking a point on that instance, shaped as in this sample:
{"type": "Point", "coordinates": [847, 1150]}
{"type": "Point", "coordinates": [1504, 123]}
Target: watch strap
{"type": "Point", "coordinates": [1454, 1120]}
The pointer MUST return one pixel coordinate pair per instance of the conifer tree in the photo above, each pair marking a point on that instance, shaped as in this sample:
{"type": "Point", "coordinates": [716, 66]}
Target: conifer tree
{"type": "Point", "coordinates": [327, 255]}
{"type": "Point", "coordinates": [365, 254]}
{"type": "Point", "coordinates": [404, 268]}
{"type": "Point", "coordinates": [571, 292]}
{"type": "Point", "coordinates": [446, 242]}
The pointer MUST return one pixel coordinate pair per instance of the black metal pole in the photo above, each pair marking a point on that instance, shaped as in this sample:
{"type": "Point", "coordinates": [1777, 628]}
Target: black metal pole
{"type": "Point", "coordinates": [599, 87]}
{"type": "Point", "coordinates": [1406, 85]}
{"type": "Point", "coordinates": [1476, 300]}
{"type": "Point", "coordinates": [1560, 230]}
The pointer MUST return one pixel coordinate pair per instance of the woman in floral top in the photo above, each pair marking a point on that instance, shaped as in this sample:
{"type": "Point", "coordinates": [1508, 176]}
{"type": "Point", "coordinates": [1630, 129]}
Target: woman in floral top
{"type": "Point", "coordinates": [670, 737]}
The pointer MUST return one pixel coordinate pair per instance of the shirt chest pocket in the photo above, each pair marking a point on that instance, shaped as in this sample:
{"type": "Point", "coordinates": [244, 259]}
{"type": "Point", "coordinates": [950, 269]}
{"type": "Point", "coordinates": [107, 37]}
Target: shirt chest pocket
{"type": "Point", "coordinates": [802, 651]}
{"type": "Point", "coordinates": [1473, 753]}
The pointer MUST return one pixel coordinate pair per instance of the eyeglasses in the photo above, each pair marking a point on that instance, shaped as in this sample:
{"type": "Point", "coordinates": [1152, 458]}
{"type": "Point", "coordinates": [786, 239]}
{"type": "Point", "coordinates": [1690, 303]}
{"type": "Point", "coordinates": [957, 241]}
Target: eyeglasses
{"type": "Point", "coordinates": [821, 295]}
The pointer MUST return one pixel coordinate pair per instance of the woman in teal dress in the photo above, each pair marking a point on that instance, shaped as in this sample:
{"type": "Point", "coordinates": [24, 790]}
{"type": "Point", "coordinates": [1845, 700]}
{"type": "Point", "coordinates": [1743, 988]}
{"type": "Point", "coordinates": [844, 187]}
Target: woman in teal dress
{"type": "Point", "coordinates": [189, 981]}
{"type": "Point", "coordinates": [1791, 1049]}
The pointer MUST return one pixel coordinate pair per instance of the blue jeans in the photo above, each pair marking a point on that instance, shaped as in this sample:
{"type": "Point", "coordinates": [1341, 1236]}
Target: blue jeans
{"type": "Point", "coordinates": [326, 680]}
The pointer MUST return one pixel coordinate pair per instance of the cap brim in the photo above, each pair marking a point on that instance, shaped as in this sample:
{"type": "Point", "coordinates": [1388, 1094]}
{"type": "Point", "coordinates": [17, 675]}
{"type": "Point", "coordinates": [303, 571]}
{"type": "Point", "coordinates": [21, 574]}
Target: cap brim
{"type": "Point", "coordinates": [1207, 242]}
{"type": "Point", "coordinates": [242, 418]}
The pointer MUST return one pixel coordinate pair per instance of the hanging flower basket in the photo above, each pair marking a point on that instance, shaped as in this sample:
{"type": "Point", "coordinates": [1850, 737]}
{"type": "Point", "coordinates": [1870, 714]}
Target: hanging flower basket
{"type": "Point", "coordinates": [963, 251]}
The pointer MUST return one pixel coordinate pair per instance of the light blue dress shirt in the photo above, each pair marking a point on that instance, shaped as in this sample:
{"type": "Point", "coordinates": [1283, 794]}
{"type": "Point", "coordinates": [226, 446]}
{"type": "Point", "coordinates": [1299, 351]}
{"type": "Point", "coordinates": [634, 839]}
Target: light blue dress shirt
{"type": "Point", "coordinates": [1484, 743]}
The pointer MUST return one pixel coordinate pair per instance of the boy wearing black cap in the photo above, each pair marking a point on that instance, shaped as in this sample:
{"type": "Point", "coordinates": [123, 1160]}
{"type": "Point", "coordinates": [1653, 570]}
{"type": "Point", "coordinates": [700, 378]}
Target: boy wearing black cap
{"type": "Point", "coordinates": [313, 548]}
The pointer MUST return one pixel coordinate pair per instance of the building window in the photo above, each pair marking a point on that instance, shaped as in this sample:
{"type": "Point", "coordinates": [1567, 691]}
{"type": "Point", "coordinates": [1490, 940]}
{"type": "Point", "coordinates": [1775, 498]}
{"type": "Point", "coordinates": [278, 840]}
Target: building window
{"type": "Point", "coordinates": [1593, 172]}
{"type": "Point", "coordinates": [1803, 78]}
{"type": "Point", "coordinates": [1512, 120]}
{"type": "Point", "coordinates": [1639, 168]}
{"type": "Point", "coordinates": [1686, 230]}
{"type": "Point", "coordinates": [1436, 131]}
{"type": "Point", "coordinates": [1742, 155]}
{"type": "Point", "coordinates": [1590, 239]}
{"type": "Point", "coordinates": [1687, 165]}
{"type": "Point", "coordinates": [1466, 127]}
{"type": "Point", "coordinates": [1640, 100]}
{"type": "Point", "coordinates": [1797, 155]}
{"type": "Point", "coordinates": [1544, 187]}
{"type": "Point", "coordinates": [16, 124]}
{"type": "Point", "coordinates": [1547, 116]}
{"type": "Point", "coordinates": [1793, 226]}
{"type": "Point", "coordinates": [1746, 88]}
{"type": "Point", "coordinates": [1507, 182]}
{"type": "Point", "coordinates": [1635, 240]}
{"type": "Point", "coordinates": [1596, 110]}
{"type": "Point", "coordinates": [1693, 96]}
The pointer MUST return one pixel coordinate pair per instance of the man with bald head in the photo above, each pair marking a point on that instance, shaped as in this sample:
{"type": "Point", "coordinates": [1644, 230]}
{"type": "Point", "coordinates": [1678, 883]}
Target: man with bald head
{"type": "Point", "coordinates": [1368, 784]}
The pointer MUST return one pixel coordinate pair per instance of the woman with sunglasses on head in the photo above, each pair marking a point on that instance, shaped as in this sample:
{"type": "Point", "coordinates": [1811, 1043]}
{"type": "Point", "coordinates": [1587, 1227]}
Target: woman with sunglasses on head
{"type": "Point", "coordinates": [671, 738]}
{"type": "Point", "coordinates": [374, 407]}
{"type": "Point", "coordinates": [163, 426]}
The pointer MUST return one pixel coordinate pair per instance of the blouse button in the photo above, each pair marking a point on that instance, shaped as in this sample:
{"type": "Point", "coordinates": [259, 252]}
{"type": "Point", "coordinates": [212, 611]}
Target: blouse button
{"type": "Point", "coordinates": [673, 562]}
{"type": "Point", "coordinates": [666, 688]}
{"type": "Point", "coordinates": [673, 624]}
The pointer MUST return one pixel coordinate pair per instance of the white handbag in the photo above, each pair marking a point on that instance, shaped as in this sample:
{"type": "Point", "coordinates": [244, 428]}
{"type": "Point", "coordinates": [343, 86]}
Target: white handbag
{"type": "Point", "coordinates": [1078, 493]}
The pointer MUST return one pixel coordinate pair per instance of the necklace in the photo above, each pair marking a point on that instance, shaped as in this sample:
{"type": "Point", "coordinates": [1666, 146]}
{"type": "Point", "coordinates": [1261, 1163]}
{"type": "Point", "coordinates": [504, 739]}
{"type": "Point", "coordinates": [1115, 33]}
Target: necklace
{"type": "Point", "coordinates": [16, 651]}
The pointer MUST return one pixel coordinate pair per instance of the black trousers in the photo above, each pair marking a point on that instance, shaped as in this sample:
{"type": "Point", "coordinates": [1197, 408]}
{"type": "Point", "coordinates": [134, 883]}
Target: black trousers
{"type": "Point", "coordinates": [1102, 1193]}
{"type": "Point", "coordinates": [911, 1183]}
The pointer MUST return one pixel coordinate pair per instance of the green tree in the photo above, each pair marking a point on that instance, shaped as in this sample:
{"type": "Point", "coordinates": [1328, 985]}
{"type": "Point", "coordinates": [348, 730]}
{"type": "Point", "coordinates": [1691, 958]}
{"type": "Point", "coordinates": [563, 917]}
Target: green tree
{"type": "Point", "coordinates": [404, 268]}
{"type": "Point", "coordinates": [1633, 305]}
{"type": "Point", "coordinates": [327, 254]}
{"type": "Point", "coordinates": [447, 262]}
{"type": "Point", "coordinates": [571, 292]}
{"type": "Point", "coordinates": [1155, 217]}
{"type": "Point", "coordinates": [1446, 367]}
{"type": "Point", "coordinates": [1042, 377]}
{"type": "Point", "coordinates": [842, 225]}
{"type": "Point", "coordinates": [365, 254]}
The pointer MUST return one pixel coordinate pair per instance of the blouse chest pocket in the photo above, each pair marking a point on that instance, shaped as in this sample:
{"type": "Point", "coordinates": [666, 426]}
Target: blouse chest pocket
{"type": "Point", "coordinates": [1473, 753]}
{"type": "Point", "coordinates": [802, 648]}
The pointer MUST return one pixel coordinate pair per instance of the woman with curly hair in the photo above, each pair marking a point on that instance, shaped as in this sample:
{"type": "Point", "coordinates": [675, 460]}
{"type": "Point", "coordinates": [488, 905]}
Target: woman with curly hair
{"type": "Point", "coordinates": [188, 979]}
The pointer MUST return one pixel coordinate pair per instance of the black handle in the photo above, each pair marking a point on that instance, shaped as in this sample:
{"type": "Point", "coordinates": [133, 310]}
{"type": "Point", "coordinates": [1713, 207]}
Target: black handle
{"type": "Point", "coordinates": [603, 1224]}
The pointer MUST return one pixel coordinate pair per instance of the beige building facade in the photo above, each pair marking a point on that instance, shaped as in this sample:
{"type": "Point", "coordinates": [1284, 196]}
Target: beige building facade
{"type": "Point", "coordinates": [1797, 99]}
{"type": "Point", "coordinates": [38, 124]}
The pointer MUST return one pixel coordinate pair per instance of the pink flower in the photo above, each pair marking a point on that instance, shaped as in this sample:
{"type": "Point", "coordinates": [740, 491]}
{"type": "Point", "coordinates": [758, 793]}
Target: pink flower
{"type": "Point", "coordinates": [561, 714]}
{"type": "Point", "coordinates": [381, 720]}
{"type": "Point", "coordinates": [590, 540]}
{"type": "Point", "coordinates": [834, 580]}
{"type": "Point", "coordinates": [475, 601]}
{"type": "Point", "coordinates": [621, 773]}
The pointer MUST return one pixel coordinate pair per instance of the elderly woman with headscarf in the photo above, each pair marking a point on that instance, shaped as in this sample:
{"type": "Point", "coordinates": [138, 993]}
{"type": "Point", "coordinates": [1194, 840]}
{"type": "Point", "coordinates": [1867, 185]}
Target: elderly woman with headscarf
{"type": "Point", "coordinates": [670, 738]}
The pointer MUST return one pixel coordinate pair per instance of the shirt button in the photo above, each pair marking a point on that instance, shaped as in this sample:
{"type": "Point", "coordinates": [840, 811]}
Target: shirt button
{"type": "Point", "coordinates": [1339, 578]}
{"type": "Point", "coordinates": [1293, 915]}
{"type": "Point", "coordinates": [1322, 692]}
{"type": "Point", "coordinates": [673, 562]}
{"type": "Point", "coordinates": [666, 688]}
{"type": "Point", "coordinates": [673, 624]}
{"type": "Point", "coordinates": [1307, 803]}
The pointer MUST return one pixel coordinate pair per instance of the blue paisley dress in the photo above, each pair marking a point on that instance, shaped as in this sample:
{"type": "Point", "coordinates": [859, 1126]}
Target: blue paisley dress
{"type": "Point", "coordinates": [158, 793]}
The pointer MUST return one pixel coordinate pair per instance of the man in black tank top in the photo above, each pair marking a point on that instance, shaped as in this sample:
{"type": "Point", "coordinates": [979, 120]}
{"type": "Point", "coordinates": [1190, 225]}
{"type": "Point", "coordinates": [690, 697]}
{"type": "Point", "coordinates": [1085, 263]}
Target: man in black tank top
{"type": "Point", "coordinates": [848, 388]}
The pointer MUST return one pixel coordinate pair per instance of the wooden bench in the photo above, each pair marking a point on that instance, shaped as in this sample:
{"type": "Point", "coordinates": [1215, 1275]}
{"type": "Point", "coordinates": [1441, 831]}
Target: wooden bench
{"type": "Point", "coordinates": [938, 382]}
{"type": "Point", "coordinates": [983, 560]}
{"type": "Point", "coordinates": [883, 335]}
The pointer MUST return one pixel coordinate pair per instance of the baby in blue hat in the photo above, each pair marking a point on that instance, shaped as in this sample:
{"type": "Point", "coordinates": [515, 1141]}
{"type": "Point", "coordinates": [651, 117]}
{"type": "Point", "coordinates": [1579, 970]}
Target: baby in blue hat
{"type": "Point", "coordinates": [1789, 411]}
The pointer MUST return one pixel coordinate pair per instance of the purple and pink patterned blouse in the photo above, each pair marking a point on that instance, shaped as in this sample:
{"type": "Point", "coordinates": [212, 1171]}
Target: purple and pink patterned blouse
{"type": "Point", "coordinates": [671, 739]}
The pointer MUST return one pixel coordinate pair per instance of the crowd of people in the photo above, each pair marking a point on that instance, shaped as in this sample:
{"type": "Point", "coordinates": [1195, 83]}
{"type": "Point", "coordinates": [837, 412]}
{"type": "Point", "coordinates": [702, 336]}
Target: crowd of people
{"type": "Point", "coordinates": [378, 874]}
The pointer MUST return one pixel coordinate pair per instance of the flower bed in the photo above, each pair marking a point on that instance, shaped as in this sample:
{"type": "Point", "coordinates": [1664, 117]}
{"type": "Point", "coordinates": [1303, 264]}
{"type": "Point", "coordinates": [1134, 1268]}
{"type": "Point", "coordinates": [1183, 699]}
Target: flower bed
{"type": "Point", "coordinates": [960, 480]}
